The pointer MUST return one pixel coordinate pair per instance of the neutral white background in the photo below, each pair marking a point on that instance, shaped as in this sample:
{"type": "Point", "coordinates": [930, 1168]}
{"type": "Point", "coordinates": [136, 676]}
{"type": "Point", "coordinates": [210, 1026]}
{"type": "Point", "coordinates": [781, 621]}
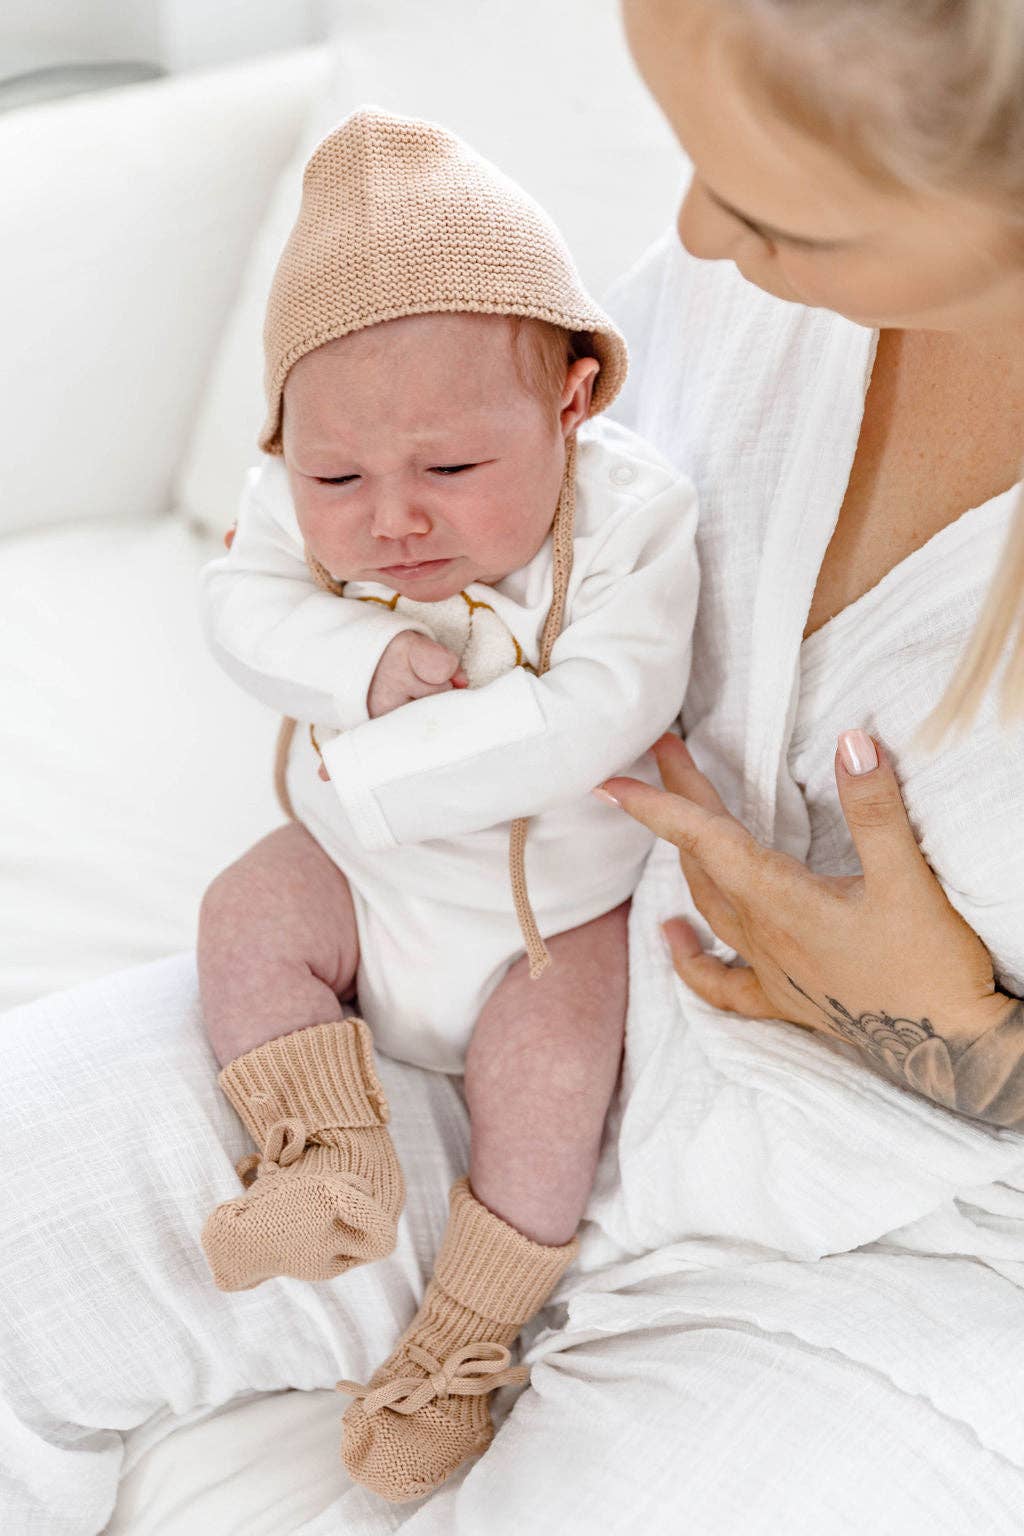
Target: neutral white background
{"type": "Point", "coordinates": [178, 34]}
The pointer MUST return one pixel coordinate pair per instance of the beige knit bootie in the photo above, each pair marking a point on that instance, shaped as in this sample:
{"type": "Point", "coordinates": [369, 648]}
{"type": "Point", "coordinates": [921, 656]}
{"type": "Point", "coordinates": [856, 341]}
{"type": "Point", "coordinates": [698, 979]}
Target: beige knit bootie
{"type": "Point", "coordinates": [425, 1409]}
{"type": "Point", "coordinates": [325, 1192]}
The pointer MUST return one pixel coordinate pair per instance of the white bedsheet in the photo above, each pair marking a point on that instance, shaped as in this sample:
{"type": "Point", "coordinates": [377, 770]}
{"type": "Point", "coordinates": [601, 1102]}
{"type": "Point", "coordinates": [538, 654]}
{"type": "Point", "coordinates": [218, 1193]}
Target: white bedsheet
{"type": "Point", "coordinates": [716, 1384]}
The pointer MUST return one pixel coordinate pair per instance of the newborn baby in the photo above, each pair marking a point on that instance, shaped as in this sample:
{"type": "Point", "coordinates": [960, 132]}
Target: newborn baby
{"type": "Point", "coordinates": [477, 603]}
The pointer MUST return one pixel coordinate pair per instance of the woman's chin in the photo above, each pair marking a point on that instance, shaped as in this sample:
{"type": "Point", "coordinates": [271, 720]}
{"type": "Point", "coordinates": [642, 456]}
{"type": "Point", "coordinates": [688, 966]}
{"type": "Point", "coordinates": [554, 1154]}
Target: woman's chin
{"type": "Point", "coordinates": [778, 289]}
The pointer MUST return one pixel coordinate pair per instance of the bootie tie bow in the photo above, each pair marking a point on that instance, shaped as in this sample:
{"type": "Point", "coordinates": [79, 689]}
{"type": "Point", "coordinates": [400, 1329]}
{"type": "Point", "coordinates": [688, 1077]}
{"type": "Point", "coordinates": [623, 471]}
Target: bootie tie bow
{"type": "Point", "coordinates": [468, 1371]}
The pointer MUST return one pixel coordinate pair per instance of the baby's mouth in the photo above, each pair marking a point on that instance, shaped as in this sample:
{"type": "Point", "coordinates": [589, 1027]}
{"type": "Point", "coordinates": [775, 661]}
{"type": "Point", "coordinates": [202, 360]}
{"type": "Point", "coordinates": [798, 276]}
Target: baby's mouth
{"type": "Point", "coordinates": [413, 568]}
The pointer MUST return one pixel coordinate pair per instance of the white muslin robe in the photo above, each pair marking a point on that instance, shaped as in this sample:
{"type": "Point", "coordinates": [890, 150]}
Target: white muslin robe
{"type": "Point", "coordinates": [799, 1306]}
{"type": "Point", "coordinates": [761, 403]}
{"type": "Point", "coordinates": [419, 804]}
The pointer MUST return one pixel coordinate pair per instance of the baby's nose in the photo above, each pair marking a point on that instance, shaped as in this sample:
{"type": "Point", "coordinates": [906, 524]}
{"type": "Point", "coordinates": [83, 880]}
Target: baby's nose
{"type": "Point", "coordinates": [395, 517]}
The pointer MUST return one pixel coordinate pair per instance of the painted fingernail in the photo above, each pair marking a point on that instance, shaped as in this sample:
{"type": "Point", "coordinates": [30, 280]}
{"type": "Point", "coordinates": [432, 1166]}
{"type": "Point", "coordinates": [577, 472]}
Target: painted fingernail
{"type": "Point", "coordinates": [857, 751]}
{"type": "Point", "coordinates": [602, 794]}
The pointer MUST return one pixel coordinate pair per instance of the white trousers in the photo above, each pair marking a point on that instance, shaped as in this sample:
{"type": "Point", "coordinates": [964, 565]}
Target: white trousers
{"type": "Point", "coordinates": [718, 1401]}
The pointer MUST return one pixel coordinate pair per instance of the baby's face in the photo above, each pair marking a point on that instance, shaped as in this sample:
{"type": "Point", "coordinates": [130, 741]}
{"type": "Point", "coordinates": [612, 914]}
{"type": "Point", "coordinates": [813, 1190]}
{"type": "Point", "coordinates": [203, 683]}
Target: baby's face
{"type": "Point", "coordinates": [418, 458]}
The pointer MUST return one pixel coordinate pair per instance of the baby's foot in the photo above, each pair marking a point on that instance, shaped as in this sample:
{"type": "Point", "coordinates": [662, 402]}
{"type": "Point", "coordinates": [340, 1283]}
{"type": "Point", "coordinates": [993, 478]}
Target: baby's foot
{"type": "Point", "coordinates": [426, 1408]}
{"type": "Point", "coordinates": [326, 1191]}
{"type": "Point", "coordinates": [314, 1210]}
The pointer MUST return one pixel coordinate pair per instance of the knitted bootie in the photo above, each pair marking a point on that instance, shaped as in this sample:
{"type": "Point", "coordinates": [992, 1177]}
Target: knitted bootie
{"type": "Point", "coordinates": [425, 1410]}
{"type": "Point", "coordinates": [326, 1192]}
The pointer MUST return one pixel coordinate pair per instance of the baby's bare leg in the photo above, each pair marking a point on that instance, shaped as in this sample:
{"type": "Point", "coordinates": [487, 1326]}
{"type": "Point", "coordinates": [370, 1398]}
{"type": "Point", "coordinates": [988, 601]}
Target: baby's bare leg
{"type": "Point", "coordinates": [540, 1072]}
{"type": "Point", "coordinates": [277, 943]}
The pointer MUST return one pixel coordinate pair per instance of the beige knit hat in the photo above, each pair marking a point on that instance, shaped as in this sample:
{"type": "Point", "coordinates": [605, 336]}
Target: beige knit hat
{"type": "Point", "coordinates": [399, 217]}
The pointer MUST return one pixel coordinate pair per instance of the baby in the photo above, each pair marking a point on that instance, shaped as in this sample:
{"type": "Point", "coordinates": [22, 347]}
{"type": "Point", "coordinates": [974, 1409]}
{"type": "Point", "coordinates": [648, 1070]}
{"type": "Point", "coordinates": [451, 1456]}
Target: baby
{"type": "Point", "coordinates": [477, 601]}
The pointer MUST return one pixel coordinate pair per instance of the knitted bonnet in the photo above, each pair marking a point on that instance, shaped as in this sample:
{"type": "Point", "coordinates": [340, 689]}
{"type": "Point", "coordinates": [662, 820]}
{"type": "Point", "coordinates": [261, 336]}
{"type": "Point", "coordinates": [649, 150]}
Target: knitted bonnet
{"type": "Point", "coordinates": [400, 217]}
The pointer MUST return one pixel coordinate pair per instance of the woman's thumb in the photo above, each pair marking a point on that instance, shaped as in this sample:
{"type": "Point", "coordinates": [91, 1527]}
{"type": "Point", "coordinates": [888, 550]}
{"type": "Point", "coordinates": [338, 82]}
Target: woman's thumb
{"type": "Point", "coordinates": [874, 809]}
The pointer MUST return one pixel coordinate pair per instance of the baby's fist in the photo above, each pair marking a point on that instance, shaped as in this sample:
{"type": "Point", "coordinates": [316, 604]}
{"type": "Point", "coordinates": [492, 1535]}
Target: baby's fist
{"type": "Point", "coordinates": [412, 667]}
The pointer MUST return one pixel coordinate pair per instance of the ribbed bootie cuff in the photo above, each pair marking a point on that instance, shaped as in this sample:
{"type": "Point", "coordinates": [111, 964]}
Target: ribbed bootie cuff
{"type": "Point", "coordinates": [323, 1075]}
{"type": "Point", "coordinates": [492, 1269]}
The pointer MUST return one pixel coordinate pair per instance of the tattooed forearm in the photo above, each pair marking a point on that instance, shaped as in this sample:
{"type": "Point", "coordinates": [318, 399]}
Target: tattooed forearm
{"type": "Point", "coordinates": [984, 1079]}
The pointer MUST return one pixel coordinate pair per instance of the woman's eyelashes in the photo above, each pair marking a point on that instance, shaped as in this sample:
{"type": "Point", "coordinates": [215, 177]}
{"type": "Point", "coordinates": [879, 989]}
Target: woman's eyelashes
{"type": "Point", "coordinates": [435, 469]}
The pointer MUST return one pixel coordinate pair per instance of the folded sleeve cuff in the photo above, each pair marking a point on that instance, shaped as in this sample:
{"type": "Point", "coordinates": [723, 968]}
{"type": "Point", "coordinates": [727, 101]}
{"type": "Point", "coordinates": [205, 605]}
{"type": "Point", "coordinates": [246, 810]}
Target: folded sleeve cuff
{"type": "Point", "coordinates": [437, 766]}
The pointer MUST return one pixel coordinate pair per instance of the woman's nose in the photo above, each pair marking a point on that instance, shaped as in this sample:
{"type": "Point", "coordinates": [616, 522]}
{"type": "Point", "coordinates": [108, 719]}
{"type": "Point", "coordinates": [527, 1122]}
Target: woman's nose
{"type": "Point", "coordinates": [394, 516]}
{"type": "Point", "coordinates": [705, 229]}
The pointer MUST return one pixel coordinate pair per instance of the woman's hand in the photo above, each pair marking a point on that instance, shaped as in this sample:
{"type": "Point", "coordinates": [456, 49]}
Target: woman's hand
{"type": "Point", "coordinates": [881, 960]}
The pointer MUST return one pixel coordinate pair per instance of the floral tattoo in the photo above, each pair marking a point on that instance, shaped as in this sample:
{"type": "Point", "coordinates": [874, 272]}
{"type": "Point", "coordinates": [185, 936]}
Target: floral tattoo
{"type": "Point", "coordinates": [984, 1079]}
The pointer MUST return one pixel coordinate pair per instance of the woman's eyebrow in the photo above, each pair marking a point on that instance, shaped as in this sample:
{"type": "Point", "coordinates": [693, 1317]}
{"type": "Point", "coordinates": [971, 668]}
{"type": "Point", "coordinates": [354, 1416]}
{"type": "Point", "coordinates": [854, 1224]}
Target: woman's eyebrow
{"type": "Point", "coordinates": [769, 230]}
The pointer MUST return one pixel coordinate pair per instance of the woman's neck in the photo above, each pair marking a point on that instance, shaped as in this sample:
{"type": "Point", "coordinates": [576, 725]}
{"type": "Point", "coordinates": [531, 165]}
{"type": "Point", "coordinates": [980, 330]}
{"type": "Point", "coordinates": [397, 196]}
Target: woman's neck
{"type": "Point", "coordinates": [943, 431]}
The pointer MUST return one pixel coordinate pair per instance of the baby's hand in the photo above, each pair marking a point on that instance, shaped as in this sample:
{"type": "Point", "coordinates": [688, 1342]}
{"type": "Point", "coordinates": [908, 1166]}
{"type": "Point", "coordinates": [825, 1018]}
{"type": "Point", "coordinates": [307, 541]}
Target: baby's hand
{"type": "Point", "coordinates": [412, 667]}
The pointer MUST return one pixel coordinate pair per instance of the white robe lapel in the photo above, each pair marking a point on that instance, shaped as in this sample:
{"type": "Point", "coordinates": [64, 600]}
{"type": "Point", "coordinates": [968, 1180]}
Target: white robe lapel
{"type": "Point", "coordinates": [796, 532]}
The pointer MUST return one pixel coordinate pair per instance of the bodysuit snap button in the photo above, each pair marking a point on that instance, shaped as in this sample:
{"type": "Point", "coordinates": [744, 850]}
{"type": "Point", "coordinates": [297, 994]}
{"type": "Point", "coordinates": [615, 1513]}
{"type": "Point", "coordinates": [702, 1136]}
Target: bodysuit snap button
{"type": "Point", "coordinates": [622, 474]}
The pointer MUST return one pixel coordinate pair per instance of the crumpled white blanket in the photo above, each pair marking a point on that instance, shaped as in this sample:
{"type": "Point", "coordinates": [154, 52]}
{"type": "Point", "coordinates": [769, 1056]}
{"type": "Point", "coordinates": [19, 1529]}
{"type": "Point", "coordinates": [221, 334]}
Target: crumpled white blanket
{"type": "Point", "coordinates": [750, 1374]}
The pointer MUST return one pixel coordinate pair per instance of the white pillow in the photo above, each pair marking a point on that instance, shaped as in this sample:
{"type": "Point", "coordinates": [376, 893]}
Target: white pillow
{"type": "Point", "coordinates": [546, 91]}
{"type": "Point", "coordinates": [131, 769]}
{"type": "Point", "coordinates": [126, 217]}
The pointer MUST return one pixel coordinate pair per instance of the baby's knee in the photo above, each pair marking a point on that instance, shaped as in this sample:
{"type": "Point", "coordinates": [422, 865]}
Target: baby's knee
{"type": "Point", "coordinates": [283, 898]}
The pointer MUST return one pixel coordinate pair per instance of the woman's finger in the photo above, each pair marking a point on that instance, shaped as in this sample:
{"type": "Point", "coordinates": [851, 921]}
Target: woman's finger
{"type": "Point", "coordinates": [724, 849]}
{"type": "Point", "coordinates": [875, 813]}
{"type": "Point", "coordinates": [733, 988]}
{"type": "Point", "coordinates": [680, 774]}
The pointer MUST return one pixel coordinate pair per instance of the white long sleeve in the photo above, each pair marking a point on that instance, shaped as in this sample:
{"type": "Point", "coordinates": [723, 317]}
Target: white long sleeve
{"type": "Point", "coordinates": [302, 651]}
{"type": "Point", "coordinates": [457, 762]}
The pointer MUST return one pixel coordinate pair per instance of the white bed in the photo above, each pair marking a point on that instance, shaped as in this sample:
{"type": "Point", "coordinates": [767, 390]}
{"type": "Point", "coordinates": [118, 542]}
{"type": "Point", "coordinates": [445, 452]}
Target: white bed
{"type": "Point", "coordinates": [141, 227]}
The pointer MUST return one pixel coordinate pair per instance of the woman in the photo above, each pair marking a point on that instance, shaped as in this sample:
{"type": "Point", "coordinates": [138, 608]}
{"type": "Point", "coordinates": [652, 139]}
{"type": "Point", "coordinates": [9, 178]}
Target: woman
{"type": "Point", "coordinates": [798, 1306]}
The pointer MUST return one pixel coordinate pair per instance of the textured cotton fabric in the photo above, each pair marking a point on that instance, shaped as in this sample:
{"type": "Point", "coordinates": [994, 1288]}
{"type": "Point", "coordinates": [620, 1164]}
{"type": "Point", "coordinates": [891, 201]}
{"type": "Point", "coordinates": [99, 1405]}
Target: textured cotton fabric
{"type": "Point", "coordinates": [799, 1304]}
{"type": "Point", "coordinates": [417, 808]}
{"type": "Point", "coordinates": [762, 714]}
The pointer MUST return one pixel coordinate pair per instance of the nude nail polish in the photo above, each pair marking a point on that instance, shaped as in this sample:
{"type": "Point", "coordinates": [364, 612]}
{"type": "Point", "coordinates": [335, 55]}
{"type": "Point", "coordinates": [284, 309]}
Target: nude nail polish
{"type": "Point", "coordinates": [857, 751]}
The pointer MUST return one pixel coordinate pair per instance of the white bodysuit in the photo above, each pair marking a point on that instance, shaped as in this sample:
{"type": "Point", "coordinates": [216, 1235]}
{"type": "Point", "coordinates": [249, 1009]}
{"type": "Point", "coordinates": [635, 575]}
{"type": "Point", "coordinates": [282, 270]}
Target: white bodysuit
{"type": "Point", "coordinates": [418, 808]}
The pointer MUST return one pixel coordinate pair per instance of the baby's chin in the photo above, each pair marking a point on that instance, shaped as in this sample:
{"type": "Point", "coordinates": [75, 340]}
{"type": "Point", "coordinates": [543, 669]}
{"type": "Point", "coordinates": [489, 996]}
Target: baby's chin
{"type": "Point", "coordinates": [428, 589]}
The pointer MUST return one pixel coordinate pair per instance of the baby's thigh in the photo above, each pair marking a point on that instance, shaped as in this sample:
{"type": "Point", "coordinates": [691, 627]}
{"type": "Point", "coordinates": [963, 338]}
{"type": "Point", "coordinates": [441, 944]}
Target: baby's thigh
{"type": "Point", "coordinates": [278, 943]}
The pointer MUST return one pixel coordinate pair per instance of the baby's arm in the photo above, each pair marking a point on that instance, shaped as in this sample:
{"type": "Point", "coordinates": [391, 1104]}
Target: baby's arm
{"type": "Point", "coordinates": [523, 744]}
{"type": "Point", "coordinates": [305, 652]}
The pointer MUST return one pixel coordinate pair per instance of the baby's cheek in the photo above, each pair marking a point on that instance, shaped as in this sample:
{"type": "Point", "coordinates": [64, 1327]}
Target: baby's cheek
{"type": "Point", "coordinates": [506, 538]}
{"type": "Point", "coordinates": [327, 537]}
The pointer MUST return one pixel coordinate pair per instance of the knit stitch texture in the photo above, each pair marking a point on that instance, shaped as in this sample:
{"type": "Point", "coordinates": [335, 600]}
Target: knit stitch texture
{"type": "Point", "coordinates": [425, 1409]}
{"type": "Point", "coordinates": [326, 1188]}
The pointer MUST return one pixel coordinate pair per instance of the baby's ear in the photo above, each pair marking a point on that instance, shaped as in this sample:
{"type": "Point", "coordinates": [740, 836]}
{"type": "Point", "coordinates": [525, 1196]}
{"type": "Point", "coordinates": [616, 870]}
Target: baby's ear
{"type": "Point", "coordinates": [578, 393]}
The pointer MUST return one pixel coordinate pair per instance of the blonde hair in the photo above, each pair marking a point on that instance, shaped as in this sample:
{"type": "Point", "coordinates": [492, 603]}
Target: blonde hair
{"type": "Point", "coordinates": [926, 95]}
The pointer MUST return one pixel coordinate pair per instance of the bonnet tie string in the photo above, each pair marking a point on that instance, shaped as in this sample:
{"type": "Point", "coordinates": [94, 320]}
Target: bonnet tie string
{"type": "Point", "coordinates": [562, 533]}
